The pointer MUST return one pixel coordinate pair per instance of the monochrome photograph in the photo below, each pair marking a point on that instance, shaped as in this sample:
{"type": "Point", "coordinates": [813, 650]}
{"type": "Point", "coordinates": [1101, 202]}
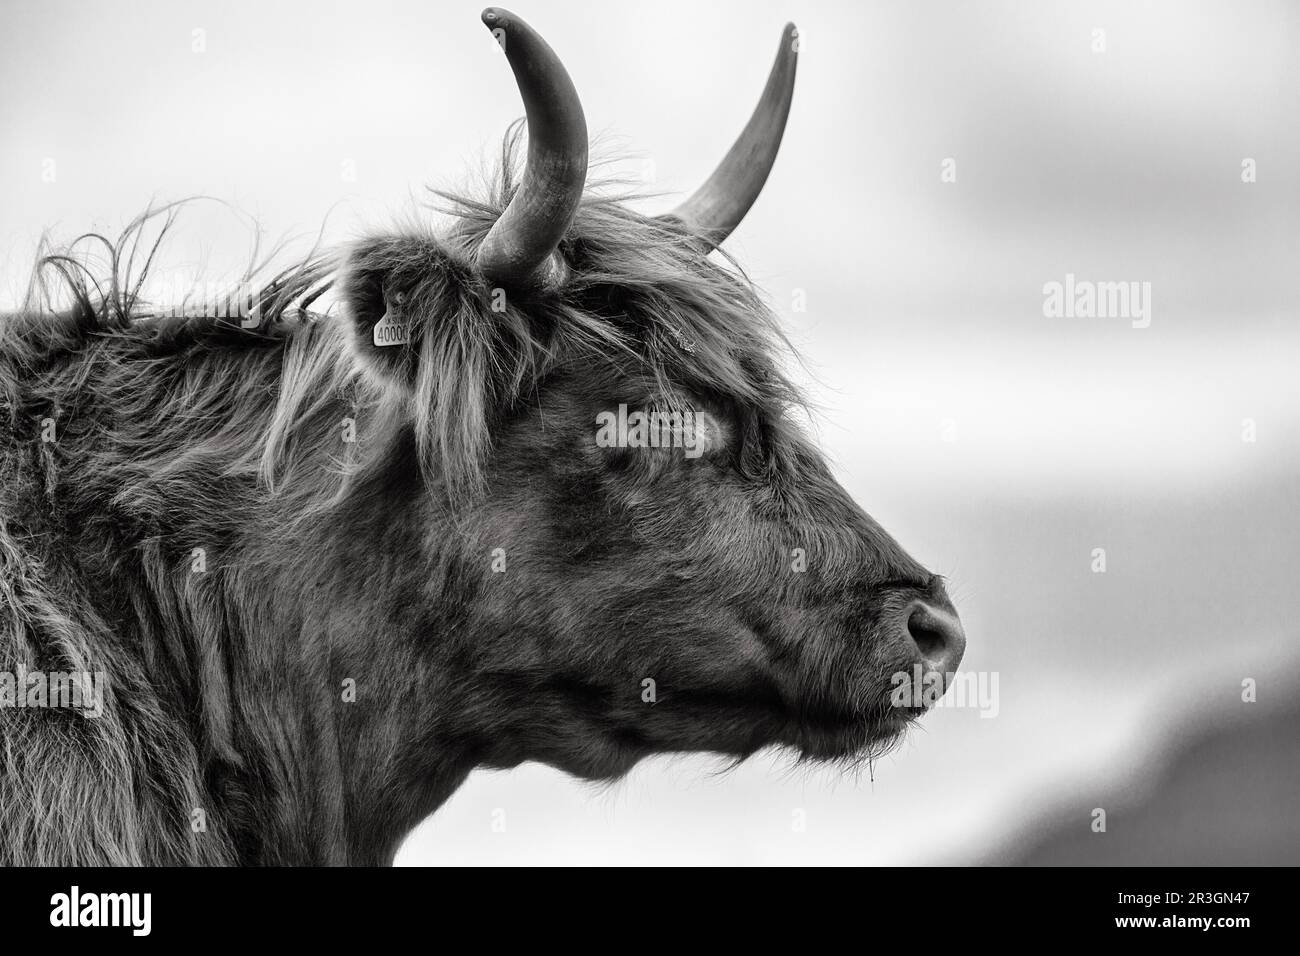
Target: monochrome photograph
{"type": "Point", "coordinates": [793, 433]}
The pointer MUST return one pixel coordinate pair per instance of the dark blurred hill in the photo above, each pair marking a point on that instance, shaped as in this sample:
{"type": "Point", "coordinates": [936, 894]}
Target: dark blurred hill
{"type": "Point", "coordinates": [1229, 796]}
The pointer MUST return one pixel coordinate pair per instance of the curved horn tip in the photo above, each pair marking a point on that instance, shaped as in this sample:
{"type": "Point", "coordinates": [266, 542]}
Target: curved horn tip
{"type": "Point", "coordinates": [714, 210]}
{"type": "Point", "coordinates": [519, 248]}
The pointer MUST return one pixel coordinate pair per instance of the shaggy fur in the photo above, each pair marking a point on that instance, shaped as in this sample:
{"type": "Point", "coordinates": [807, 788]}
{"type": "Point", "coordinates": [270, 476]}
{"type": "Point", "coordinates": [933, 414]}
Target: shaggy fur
{"type": "Point", "coordinates": [494, 586]}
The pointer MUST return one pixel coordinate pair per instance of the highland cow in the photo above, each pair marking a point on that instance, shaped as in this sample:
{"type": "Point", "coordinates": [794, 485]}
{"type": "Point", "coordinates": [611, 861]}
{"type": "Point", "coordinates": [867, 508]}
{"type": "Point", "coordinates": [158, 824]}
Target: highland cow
{"type": "Point", "coordinates": [328, 563]}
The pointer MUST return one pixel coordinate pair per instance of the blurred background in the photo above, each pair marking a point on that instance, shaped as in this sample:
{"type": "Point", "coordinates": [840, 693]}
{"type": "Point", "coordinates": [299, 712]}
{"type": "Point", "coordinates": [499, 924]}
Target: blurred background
{"type": "Point", "coordinates": [1116, 506]}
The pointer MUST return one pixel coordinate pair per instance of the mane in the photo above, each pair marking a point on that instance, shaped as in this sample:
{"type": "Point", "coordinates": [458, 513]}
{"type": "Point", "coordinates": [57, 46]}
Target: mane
{"type": "Point", "coordinates": [200, 403]}
{"type": "Point", "coordinates": [644, 297]}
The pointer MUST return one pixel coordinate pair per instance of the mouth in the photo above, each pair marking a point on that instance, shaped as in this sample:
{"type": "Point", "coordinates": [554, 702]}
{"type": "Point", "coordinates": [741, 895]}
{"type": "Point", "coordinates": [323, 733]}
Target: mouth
{"type": "Point", "coordinates": [762, 716]}
{"type": "Point", "coordinates": [847, 723]}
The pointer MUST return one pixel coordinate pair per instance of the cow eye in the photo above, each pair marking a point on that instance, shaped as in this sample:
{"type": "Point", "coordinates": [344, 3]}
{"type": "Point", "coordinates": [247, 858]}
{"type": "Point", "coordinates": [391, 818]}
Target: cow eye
{"type": "Point", "coordinates": [688, 433]}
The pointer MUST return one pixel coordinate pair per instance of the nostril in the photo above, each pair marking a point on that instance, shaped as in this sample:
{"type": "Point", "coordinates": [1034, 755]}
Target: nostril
{"type": "Point", "coordinates": [928, 638]}
{"type": "Point", "coordinates": [937, 634]}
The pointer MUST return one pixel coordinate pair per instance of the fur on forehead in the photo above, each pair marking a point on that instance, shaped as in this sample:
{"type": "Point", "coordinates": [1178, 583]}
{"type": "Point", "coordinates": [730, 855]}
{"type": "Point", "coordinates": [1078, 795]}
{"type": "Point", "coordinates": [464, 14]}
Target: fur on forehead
{"type": "Point", "coordinates": [641, 298]}
{"type": "Point", "coordinates": [641, 301]}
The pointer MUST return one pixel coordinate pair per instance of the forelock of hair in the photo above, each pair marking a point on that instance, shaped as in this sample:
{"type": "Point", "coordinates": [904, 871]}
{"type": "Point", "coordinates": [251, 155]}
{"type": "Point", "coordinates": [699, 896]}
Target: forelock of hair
{"type": "Point", "coordinates": [641, 294]}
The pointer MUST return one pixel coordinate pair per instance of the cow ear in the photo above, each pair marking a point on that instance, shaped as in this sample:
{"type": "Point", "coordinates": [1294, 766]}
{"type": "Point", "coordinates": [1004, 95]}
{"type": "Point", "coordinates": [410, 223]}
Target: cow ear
{"type": "Point", "coordinates": [420, 319]}
{"type": "Point", "coordinates": [386, 287]}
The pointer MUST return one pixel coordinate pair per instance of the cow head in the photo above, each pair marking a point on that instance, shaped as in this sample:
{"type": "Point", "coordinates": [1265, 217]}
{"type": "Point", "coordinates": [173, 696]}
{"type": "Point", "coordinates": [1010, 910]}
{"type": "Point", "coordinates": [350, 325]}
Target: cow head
{"type": "Point", "coordinates": [630, 546]}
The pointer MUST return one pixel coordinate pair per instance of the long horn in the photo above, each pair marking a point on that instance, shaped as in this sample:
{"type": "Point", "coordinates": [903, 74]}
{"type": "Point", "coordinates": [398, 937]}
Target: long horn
{"type": "Point", "coordinates": [717, 207]}
{"type": "Point", "coordinates": [518, 250]}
